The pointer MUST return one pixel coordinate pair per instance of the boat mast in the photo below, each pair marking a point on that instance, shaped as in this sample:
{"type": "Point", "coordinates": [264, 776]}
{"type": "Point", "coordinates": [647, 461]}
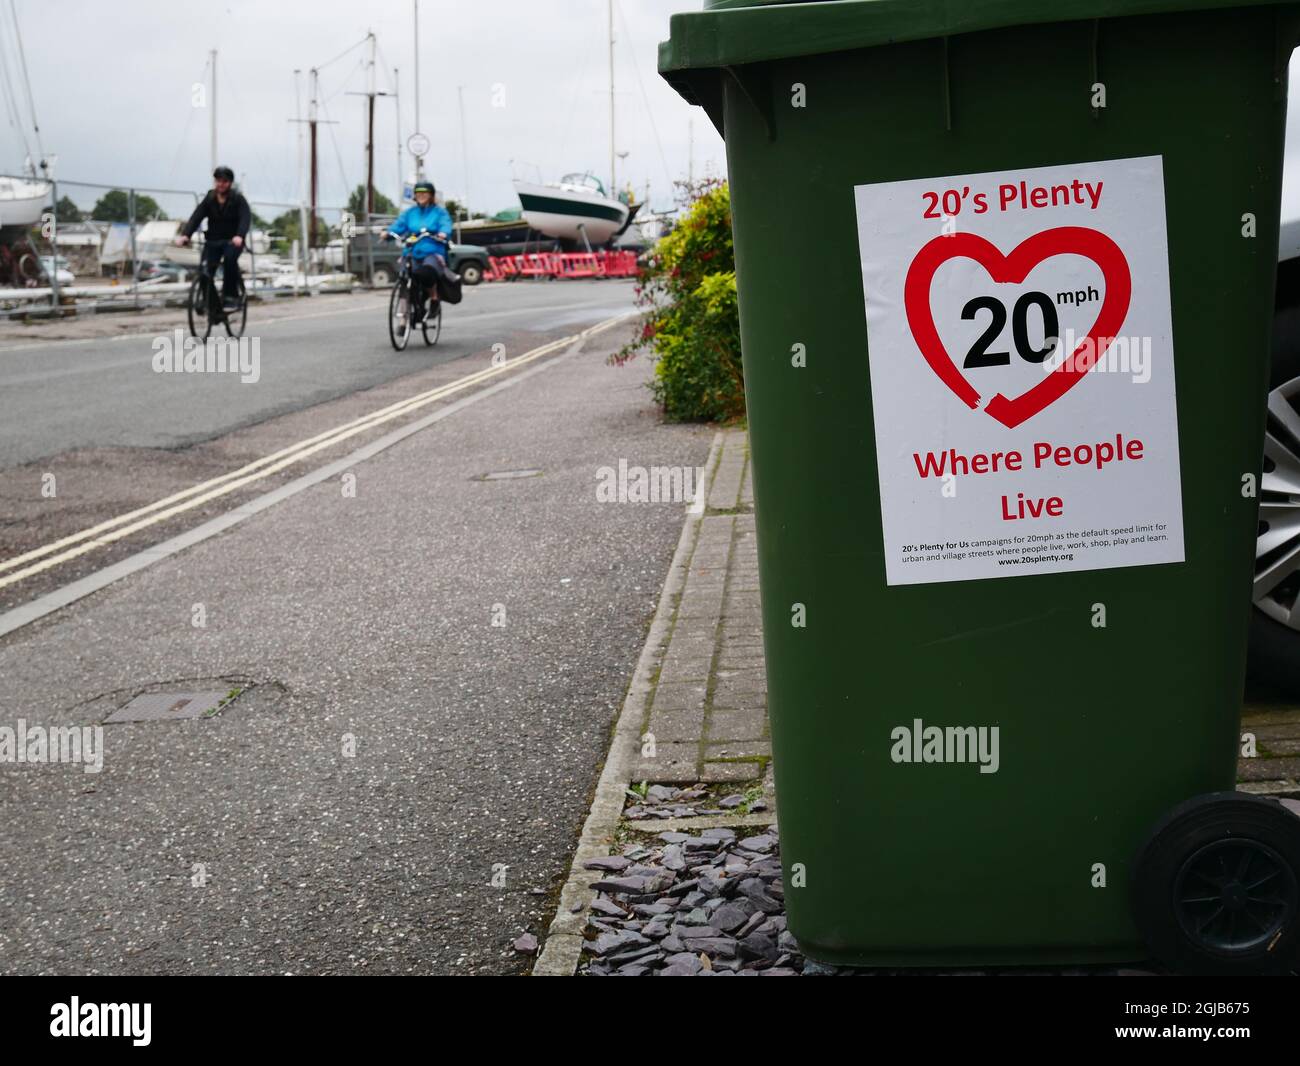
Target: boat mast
{"type": "Point", "coordinates": [397, 101]}
{"type": "Point", "coordinates": [610, 7]}
{"type": "Point", "coordinates": [212, 109]}
{"type": "Point", "coordinates": [311, 129]}
{"type": "Point", "coordinates": [302, 184]}
{"type": "Point", "coordinates": [372, 90]}
{"type": "Point", "coordinates": [415, 6]}
{"type": "Point", "coordinates": [464, 155]}
{"type": "Point", "coordinates": [370, 136]}
{"type": "Point", "coordinates": [309, 231]}
{"type": "Point", "coordinates": [42, 162]}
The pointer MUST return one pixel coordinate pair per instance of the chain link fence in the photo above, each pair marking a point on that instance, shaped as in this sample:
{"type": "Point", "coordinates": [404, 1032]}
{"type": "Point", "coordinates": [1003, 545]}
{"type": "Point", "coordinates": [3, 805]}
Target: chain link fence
{"type": "Point", "coordinates": [73, 246]}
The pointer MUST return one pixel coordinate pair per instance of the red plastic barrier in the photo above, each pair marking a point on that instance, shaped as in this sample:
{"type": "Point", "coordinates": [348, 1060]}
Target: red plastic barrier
{"type": "Point", "coordinates": [620, 264]}
{"type": "Point", "coordinates": [537, 264]}
{"type": "Point", "coordinates": [580, 265]}
{"type": "Point", "coordinates": [562, 265]}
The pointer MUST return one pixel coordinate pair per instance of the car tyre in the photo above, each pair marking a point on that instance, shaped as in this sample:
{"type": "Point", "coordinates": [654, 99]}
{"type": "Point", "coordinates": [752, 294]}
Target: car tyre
{"type": "Point", "coordinates": [1275, 620]}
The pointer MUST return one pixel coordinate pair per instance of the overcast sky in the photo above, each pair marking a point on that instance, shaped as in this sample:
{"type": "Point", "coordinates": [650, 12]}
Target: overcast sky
{"type": "Point", "coordinates": [113, 89]}
{"type": "Point", "coordinates": [113, 86]}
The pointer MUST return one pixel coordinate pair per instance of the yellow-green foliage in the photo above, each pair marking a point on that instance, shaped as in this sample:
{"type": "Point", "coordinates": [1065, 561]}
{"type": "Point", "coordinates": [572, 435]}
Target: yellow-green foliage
{"type": "Point", "coordinates": [692, 327]}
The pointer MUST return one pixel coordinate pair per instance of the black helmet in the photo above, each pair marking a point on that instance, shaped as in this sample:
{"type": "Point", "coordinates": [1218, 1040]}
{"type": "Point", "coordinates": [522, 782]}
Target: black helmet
{"type": "Point", "coordinates": [423, 186]}
{"type": "Point", "coordinates": [224, 172]}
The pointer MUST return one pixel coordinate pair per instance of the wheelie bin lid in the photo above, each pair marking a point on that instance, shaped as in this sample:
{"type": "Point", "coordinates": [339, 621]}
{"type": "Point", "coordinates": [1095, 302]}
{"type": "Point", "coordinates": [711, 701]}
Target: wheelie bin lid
{"type": "Point", "coordinates": [730, 33]}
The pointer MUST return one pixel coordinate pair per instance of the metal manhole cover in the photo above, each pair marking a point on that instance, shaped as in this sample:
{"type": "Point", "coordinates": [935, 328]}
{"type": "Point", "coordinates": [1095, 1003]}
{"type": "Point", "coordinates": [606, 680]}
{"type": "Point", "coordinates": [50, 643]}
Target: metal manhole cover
{"type": "Point", "coordinates": [165, 706]}
{"type": "Point", "coordinates": [507, 475]}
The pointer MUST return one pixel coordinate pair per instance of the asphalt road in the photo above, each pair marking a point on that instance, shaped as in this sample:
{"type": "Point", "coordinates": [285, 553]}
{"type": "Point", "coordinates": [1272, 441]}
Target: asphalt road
{"type": "Point", "coordinates": [60, 396]}
{"type": "Point", "coordinates": [253, 841]}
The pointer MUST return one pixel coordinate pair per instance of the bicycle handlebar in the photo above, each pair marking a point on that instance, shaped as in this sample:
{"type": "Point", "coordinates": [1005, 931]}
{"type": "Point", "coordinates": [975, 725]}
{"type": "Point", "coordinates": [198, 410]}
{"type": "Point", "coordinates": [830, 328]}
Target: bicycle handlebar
{"type": "Point", "coordinates": [415, 238]}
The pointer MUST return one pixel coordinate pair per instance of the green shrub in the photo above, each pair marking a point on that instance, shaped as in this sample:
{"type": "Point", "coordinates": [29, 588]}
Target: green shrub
{"type": "Point", "coordinates": [692, 326]}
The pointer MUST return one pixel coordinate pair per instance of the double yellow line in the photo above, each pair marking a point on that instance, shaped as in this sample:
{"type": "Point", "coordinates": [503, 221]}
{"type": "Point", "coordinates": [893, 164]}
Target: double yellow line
{"type": "Point", "coordinates": [87, 540]}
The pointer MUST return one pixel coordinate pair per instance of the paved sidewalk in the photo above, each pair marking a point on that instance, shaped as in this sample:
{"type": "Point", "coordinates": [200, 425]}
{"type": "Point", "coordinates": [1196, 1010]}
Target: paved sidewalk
{"type": "Point", "coordinates": [1272, 731]}
{"type": "Point", "coordinates": [152, 321]}
{"type": "Point", "coordinates": [707, 717]}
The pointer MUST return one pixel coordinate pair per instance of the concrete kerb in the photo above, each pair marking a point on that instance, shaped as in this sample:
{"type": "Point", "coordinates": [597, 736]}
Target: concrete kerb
{"type": "Point", "coordinates": [1283, 788]}
{"type": "Point", "coordinates": [563, 947]}
{"type": "Point", "coordinates": [655, 826]}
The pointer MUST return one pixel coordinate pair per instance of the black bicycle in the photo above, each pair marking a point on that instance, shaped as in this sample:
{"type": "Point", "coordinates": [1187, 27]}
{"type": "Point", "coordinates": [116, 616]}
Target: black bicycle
{"type": "Point", "coordinates": [205, 308]}
{"type": "Point", "coordinates": [401, 305]}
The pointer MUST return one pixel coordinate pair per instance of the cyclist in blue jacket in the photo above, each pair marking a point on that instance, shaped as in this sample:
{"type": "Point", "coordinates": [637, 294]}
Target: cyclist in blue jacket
{"type": "Point", "coordinates": [430, 251]}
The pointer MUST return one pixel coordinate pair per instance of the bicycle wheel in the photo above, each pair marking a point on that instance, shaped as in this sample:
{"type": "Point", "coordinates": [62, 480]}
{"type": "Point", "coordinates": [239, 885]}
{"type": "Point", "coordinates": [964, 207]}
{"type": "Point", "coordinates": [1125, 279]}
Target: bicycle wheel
{"type": "Point", "coordinates": [236, 320]}
{"type": "Point", "coordinates": [432, 330]}
{"type": "Point", "coordinates": [197, 307]}
{"type": "Point", "coordinates": [399, 315]}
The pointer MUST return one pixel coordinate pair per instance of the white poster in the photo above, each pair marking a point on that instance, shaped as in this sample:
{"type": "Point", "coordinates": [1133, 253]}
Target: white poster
{"type": "Point", "coordinates": [1022, 371]}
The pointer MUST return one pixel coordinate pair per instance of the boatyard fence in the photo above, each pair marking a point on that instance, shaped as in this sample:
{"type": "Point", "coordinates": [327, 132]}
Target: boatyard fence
{"type": "Point", "coordinates": [117, 243]}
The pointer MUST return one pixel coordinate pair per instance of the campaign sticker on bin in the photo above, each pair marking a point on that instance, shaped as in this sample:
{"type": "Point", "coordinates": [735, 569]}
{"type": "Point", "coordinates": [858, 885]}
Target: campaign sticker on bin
{"type": "Point", "coordinates": [1022, 371]}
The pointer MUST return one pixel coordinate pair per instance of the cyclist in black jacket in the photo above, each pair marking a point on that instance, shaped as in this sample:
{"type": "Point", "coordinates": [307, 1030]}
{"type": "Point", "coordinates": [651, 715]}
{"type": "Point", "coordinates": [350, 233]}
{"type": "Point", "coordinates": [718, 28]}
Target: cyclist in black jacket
{"type": "Point", "coordinates": [228, 219]}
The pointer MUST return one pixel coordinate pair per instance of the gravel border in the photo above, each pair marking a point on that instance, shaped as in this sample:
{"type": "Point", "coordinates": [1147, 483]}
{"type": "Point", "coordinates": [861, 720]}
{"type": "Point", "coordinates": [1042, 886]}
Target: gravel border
{"type": "Point", "coordinates": [712, 904]}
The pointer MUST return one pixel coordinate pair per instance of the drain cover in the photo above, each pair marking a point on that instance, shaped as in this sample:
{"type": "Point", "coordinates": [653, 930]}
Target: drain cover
{"type": "Point", "coordinates": [507, 475]}
{"type": "Point", "coordinates": [164, 706]}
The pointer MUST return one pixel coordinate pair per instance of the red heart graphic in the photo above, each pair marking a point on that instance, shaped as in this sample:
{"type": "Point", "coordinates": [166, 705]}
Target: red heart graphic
{"type": "Point", "coordinates": [1015, 268]}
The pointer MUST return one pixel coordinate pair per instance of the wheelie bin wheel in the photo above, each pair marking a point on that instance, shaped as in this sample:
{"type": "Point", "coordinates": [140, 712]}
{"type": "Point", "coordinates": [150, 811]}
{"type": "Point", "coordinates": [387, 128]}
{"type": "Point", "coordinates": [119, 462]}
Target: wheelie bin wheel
{"type": "Point", "coordinates": [1216, 886]}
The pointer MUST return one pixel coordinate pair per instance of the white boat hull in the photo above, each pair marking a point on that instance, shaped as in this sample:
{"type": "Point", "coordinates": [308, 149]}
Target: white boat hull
{"type": "Point", "coordinates": [23, 202]}
{"type": "Point", "coordinates": [157, 240]}
{"type": "Point", "coordinates": [570, 214]}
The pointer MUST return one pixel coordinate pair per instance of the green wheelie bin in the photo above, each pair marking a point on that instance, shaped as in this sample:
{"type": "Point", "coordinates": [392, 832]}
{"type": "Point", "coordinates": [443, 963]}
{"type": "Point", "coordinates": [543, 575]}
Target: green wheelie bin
{"type": "Point", "coordinates": [1006, 275]}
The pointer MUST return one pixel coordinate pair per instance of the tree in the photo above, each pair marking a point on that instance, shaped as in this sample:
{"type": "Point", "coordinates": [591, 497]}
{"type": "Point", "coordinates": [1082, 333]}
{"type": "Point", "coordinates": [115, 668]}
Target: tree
{"type": "Point", "coordinates": [357, 204]}
{"type": "Point", "coordinates": [458, 213]}
{"type": "Point", "coordinates": [113, 206]}
{"type": "Point", "coordinates": [286, 229]}
{"type": "Point", "coordinates": [66, 211]}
